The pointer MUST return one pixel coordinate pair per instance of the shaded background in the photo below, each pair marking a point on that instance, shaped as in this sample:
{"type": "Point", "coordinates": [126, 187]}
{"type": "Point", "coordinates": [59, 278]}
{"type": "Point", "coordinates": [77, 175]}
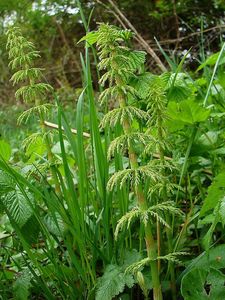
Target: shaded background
{"type": "Point", "coordinates": [55, 27]}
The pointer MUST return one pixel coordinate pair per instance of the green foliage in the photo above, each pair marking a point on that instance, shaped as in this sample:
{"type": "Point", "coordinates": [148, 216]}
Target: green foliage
{"type": "Point", "coordinates": [118, 115]}
{"type": "Point", "coordinates": [22, 285]}
{"type": "Point", "coordinates": [5, 150]}
{"type": "Point", "coordinates": [22, 55]}
{"type": "Point", "coordinates": [211, 60]}
{"type": "Point", "coordinates": [7, 184]}
{"type": "Point", "coordinates": [18, 206]}
{"type": "Point", "coordinates": [135, 176]}
{"type": "Point", "coordinates": [202, 284]}
{"type": "Point", "coordinates": [125, 199]}
{"type": "Point", "coordinates": [187, 112]}
{"type": "Point", "coordinates": [215, 195]}
{"type": "Point", "coordinates": [113, 282]}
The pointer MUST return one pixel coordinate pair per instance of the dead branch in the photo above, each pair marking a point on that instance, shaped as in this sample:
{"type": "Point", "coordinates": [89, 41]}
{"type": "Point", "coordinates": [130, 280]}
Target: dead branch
{"type": "Point", "coordinates": [55, 126]}
{"type": "Point", "coordinates": [126, 23]}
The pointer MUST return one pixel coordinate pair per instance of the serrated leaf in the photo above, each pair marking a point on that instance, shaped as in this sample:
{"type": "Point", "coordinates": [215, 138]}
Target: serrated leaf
{"type": "Point", "coordinates": [131, 257]}
{"type": "Point", "coordinates": [22, 285]}
{"type": "Point", "coordinates": [54, 224]}
{"type": "Point", "coordinates": [215, 193]}
{"type": "Point", "coordinates": [141, 84]}
{"type": "Point", "coordinates": [113, 282]}
{"type": "Point", "coordinates": [18, 207]}
{"type": "Point", "coordinates": [137, 57]}
{"type": "Point", "coordinates": [7, 183]}
{"type": "Point", "coordinates": [178, 93]}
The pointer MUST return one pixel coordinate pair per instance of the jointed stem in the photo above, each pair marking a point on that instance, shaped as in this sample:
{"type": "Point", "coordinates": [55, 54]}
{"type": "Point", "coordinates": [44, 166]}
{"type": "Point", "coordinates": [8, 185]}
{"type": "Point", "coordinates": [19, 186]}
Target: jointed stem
{"type": "Point", "coordinates": [168, 230]}
{"type": "Point", "coordinates": [151, 245]}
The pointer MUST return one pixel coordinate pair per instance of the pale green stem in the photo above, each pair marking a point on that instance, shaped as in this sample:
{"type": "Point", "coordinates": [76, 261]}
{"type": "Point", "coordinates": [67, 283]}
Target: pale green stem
{"type": "Point", "coordinates": [151, 246]}
{"type": "Point", "coordinates": [168, 230]}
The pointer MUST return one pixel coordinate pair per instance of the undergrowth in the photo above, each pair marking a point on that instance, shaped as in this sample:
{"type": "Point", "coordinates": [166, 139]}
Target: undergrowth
{"type": "Point", "coordinates": [130, 205]}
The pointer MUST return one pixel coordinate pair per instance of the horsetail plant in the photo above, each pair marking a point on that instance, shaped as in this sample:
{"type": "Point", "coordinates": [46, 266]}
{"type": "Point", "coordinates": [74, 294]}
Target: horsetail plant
{"type": "Point", "coordinates": [22, 55]}
{"type": "Point", "coordinates": [156, 106]}
{"type": "Point", "coordinates": [121, 64]}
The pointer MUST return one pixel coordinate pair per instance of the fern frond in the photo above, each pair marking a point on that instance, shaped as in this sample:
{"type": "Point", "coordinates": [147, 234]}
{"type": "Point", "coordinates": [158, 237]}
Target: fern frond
{"type": "Point", "coordinates": [167, 206]}
{"type": "Point", "coordinates": [105, 77]}
{"type": "Point", "coordinates": [119, 115]}
{"type": "Point", "coordinates": [156, 144]}
{"type": "Point", "coordinates": [24, 59]}
{"type": "Point", "coordinates": [22, 54]}
{"type": "Point", "coordinates": [123, 142]}
{"type": "Point", "coordinates": [157, 216]}
{"type": "Point", "coordinates": [135, 267]}
{"type": "Point", "coordinates": [160, 187]}
{"type": "Point", "coordinates": [111, 35]}
{"type": "Point", "coordinates": [134, 176]}
{"type": "Point", "coordinates": [34, 91]}
{"type": "Point", "coordinates": [42, 109]}
{"type": "Point", "coordinates": [114, 92]}
{"type": "Point", "coordinates": [22, 75]}
{"type": "Point", "coordinates": [119, 178]}
{"type": "Point", "coordinates": [31, 139]}
{"type": "Point", "coordinates": [119, 60]}
{"type": "Point", "coordinates": [127, 219]}
{"type": "Point", "coordinates": [169, 165]}
{"type": "Point", "coordinates": [172, 257]}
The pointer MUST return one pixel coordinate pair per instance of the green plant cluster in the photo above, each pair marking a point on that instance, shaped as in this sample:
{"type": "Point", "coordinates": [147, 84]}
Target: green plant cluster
{"type": "Point", "coordinates": [129, 204]}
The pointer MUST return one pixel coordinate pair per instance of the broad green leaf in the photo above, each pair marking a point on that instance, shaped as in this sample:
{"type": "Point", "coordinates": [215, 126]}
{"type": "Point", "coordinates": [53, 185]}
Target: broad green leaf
{"type": "Point", "coordinates": [199, 284]}
{"type": "Point", "coordinates": [91, 38]}
{"type": "Point", "coordinates": [141, 84]}
{"type": "Point", "coordinates": [5, 150]}
{"type": "Point", "coordinates": [54, 224]}
{"type": "Point", "coordinates": [113, 282]}
{"type": "Point", "coordinates": [4, 235]}
{"type": "Point", "coordinates": [18, 207]}
{"type": "Point", "coordinates": [138, 58]}
{"type": "Point", "coordinates": [219, 151]}
{"type": "Point", "coordinates": [131, 257]}
{"type": "Point", "coordinates": [36, 148]}
{"type": "Point", "coordinates": [30, 230]}
{"type": "Point", "coordinates": [214, 257]}
{"type": "Point", "coordinates": [215, 193]}
{"type": "Point", "coordinates": [22, 285]}
{"type": "Point", "coordinates": [178, 93]}
{"type": "Point", "coordinates": [188, 112]}
{"type": "Point", "coordinates": [56, 149]}
{"type": "Point", "coordinates": [209, 138]}
{"type": "Point", "coordinates": [222, 211]}
{"type": "Point", "coordinates": [7, 183]}
{"type": "Point", "coordinates": [211, 60]}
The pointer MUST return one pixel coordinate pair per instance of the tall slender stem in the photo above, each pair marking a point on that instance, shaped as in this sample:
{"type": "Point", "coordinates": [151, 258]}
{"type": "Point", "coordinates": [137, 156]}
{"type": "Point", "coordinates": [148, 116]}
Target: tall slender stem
{"type": "Point", "coordinates": [151, 245]}
{"type": "Point", "coordinates": [47, 144]}
{"type": "Point", "coordinates": [169, 233]}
